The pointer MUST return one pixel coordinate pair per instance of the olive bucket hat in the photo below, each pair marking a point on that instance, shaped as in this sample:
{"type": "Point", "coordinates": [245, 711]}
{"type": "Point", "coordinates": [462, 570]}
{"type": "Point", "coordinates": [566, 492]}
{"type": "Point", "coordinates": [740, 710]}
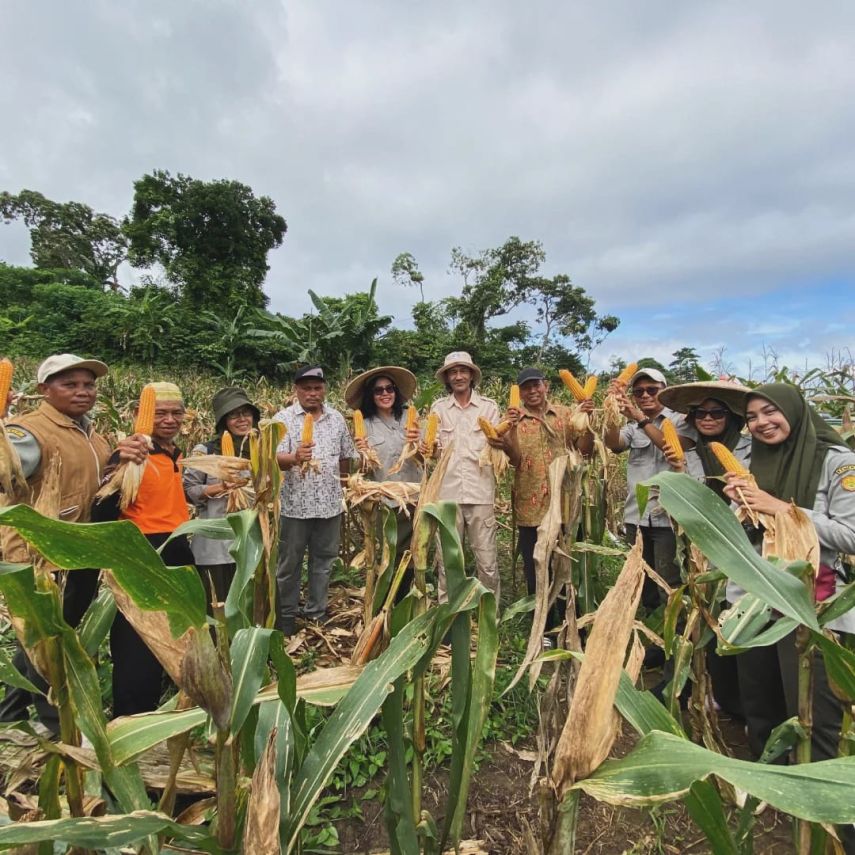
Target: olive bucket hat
{"type": "Point", "coordinates": [228, 399]}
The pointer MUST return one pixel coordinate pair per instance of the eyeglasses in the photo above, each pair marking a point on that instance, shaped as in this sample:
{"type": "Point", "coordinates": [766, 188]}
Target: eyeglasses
{"type": "Point", "coordinates": [244, 413]}
{"type": "Point", "coordinates": [641, 391]}
{"type": "Point", "coordinates": [717, 413]}
{"type": "Point", "coordinates": [384, 390]}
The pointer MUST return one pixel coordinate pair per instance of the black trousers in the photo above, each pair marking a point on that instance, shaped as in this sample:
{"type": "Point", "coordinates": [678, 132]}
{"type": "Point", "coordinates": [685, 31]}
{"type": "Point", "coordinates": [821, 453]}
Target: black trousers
{"type": "Point", "coordinates": [526, 540]}
{"type": "Point", "coordinates": [137, 674]}
{"type": "Point", "coordinates": [80, 587]}
{"type": "Point", "coordinates": [659, 549]}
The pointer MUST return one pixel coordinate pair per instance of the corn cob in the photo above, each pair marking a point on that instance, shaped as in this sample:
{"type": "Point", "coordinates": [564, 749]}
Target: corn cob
{"type": "Point", "coordinates": [514, 397]}
{"type": "Point", "coordinates": [503, 427]}
{"type": "Point", "coordinates": [488, 428]}
{"type": "Point", "coordinates": [308, 430]}
{"type": "Point", "coordinates": [590, 387]}
{"type": "Point", "coordinates": [412, 417]}
{"type": "Point", "coordinates": [626, 375]}
{"type": "Point", "coordinates": [725, 456]}
{"type": "Point", "coordinates": [145, 412]}
{"type": "Point", "coordinates": [431, 430]}
{"type": "Point", "coordinates": [6, 370]}
{"type": "Point", "coordinates": [227, 445]}
{"type": "Point", "coordinates": [358, 425]}
{"type": "Point", "coordinates": [572, 384]}
{"type": "Point", "coordinates": [672, 441]}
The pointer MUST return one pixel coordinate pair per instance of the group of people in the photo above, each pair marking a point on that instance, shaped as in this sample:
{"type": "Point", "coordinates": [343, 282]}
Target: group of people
{"type": "Point", "coordinates": [792, 454]}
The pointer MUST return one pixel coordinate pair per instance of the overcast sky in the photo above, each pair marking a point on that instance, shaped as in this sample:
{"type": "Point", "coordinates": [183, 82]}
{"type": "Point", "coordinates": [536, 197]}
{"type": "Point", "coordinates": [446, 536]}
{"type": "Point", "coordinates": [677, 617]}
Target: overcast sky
{"type": "Point", "coordinates": [691, 165]}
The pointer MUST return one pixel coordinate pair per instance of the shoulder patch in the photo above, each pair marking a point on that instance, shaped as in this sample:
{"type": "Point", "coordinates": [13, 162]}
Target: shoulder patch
{"type": "Point", "coordinates": [19, 433]}
{"type": "Point", "coordinates": [849, 467]}
{"type": "Point", "coordinates": [848, 483]}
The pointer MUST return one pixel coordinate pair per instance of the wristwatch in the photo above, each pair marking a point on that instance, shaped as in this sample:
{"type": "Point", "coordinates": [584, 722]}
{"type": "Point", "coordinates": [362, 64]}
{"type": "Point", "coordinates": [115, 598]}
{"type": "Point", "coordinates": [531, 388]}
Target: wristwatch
{"type": "Point", "coordinates": [644, 422]}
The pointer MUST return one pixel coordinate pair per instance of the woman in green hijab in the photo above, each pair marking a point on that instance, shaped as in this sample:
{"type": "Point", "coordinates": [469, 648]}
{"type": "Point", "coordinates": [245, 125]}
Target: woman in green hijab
{"type": "Point", "coordinates": [796, 458]}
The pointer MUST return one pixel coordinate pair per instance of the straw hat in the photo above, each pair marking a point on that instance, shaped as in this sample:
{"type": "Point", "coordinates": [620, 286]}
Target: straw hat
{"type": "Point", "coordinates": [682, 398]}
{"type": "Point", "coordinates": [458, 357]}
{"type": "Point", "coordinates": [403, 379]}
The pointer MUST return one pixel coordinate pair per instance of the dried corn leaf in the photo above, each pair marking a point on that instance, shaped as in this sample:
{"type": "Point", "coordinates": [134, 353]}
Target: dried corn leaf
{"type": "Point", "coordinates": [261, 832]}
{"type": "Point", "coordinates": [361, 490]}
{"type": "Point", "coordinates": [592, 722]}
{"type": "Point", "coordinates": [791, 536]}
{"type": "Point", "coordinates": [495, 458]}
{"type": "Point", "coordinates": [12, 481]}
{"type": "Point", "coordinates": [410, 450]}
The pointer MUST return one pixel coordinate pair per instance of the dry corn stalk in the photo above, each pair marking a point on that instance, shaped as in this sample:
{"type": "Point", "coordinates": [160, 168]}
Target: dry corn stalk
{"type": "Point", "coordinates": [127, 476]}
{"type": "Point", "coordinates": [592, 721]}
{"type": "Point", "coordinates": [672, 440]}
{"type": "Point", "coordinates": [411, 448]}
{"type": "Point", "coordinates": [368, 459]}
{"type": "Point", "coordinates": [233, 472]}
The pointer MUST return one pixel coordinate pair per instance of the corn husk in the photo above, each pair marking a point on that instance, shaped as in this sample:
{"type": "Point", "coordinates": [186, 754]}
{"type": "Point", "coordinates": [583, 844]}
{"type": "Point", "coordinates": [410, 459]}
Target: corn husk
{"type": "Point", "coordinates": [125, 481]}
{"type": "Point", "coordinates": [368, 460]}
{"type": "Point", "coordinates": [312, 465]}
{"type": "Point", "coordinates": [361, 490]}
{"type": "Point", "coordinates": [232, 470]}
{"type": "Point", "coordinates": [410, 450]}
{"type": "Point", "coordinates": [495, 458]}
{"type": "Point", "coordinates": [12, 480]}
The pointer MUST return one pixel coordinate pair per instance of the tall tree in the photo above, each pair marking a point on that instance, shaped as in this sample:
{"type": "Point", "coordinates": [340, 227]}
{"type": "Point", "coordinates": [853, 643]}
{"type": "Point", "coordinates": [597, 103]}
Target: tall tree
{"type": "Point", "coordinates": [684, 365]}
{"type": "Point", "coordinates": [405, 271]}
{"type": "Point", "coordinates": [68, 235]}
{"type": "Point", "coordinates": [211, 237]}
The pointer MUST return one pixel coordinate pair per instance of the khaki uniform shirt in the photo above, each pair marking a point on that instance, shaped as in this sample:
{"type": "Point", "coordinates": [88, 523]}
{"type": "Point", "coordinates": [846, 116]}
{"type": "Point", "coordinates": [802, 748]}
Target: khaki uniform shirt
{"type": "Point", "coordinates": [466, 481]}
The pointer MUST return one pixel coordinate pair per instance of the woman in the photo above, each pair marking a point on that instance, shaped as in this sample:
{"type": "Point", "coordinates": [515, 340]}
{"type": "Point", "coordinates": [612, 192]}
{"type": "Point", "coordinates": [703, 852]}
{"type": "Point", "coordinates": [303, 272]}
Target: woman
{"type": "Point", "coordinates": [796, 458]}
{"type": "Point", "coordinates": [235, 413]}
{"type": "Point", "coordinates": [715, 410]}
{"type": "Point", "coordinates": [381, 394]}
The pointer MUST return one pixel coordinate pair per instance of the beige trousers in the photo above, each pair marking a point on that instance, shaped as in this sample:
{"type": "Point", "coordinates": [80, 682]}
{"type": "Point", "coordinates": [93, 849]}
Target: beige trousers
{"type": "Point", "coordinates": [477, 523]}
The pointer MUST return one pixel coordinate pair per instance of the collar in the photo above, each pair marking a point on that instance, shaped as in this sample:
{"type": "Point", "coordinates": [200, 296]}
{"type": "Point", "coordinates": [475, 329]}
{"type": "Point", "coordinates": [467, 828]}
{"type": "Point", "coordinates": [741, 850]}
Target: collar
{"type": "Point", "coordinates": [159, 449]}
{"type": "Point", "coordinates": [474, 400]}
{"type": "Point", "coordinates": [550, 408]}
{"type": "Point", "coordinates": [298, 409]}
{"type": "Point", "coordinates": [84, 423]}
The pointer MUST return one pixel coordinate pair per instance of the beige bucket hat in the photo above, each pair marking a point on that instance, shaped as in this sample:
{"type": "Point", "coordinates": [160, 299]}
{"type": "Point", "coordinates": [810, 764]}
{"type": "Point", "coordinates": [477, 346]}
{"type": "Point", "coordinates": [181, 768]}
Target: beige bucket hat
{"type": "Point", "coordinates": [405, 381]}
{"type": "Point", "coordinates": [683, 398]}
{"type": "Point", "coordinates": [455, 358]}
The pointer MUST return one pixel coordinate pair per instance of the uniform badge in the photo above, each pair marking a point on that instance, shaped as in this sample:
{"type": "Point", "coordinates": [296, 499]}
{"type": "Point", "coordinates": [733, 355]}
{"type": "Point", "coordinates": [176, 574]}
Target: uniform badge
{"type": "Point", "coordinates": [16, 432]}
{"type": "Point", "coordinates": [849, 467]}
{"type": "Point", "coordinates": [848, 483]}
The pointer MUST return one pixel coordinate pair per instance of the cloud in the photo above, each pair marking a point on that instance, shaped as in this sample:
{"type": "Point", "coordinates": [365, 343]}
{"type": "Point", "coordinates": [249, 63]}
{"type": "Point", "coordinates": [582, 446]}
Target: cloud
{"type": "Point", "coordinates": [664, 155]}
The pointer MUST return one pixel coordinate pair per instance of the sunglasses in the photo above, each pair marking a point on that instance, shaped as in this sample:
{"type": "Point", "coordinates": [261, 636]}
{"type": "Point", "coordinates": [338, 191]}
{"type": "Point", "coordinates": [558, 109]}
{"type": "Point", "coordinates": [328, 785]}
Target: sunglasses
{"type": "Point", "coordinates": [641, 391]}
{"type": "Point", "coordinates": [384, 390]}
{"type": "Point", "coordinates": [717, 413]}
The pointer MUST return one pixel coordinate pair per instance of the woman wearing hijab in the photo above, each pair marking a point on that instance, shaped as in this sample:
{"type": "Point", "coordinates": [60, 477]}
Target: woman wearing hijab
{"type": "Point", "coordinates": [796, 458]}
{"type": "Point", "coordinates": [715, 410]}
{"type": "Point", "coordinates": [235, 413]}
{"type": "Point", "coordinates": [381, 394]}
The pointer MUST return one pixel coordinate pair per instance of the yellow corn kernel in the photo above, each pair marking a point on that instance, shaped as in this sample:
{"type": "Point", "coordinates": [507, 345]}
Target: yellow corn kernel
{"type": "Point", "coordinates": [514, 397]}
{"type": "Point", "coordinates": [308, 430]}
{"type": "Point", "coordinates": [487, 427]}
{"type": "Point", "coordinates": [590, 387]}
{"type": "Point", "coordinates": [227, 445]}
{"type": "Point", "coordinates": [6, 370]}
{"type": "Point", "coordinates": [503, 427]}
{"type": "Point", "coordinates": [358, 425]}
{"type": "Point", "coordinates": [672, 441]}
{"type": "Point", "coordinates": [145, 412]}
{"type": "Point", "coordinates": [725, 456]}
{"type": "Point", "coordinates": [626, 375]}
{"type": "Point", "coordinates": [572, 384]}
{"type": "Point", "coordinates": [412, 417]}
{"type": "Point", "coordinates": [431, 430]}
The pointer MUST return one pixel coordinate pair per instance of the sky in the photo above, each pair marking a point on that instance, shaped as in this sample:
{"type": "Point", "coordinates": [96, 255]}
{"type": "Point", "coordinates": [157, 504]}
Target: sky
{"type": "Point", "coordinates": [690, 165]}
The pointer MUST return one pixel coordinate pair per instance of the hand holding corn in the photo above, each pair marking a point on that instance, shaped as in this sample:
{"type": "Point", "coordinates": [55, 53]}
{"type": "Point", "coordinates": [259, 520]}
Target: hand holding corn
{"type": "Point", "coordinates": [744, 490]}
{"type": "Point", "coordinates": [133, 449]}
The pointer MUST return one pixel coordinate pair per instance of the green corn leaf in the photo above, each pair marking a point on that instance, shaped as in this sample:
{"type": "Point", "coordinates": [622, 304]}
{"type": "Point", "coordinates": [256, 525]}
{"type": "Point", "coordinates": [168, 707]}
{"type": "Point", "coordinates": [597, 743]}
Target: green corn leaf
{"type": "Point", "coordinates": [10, 675]}
{"type": "Point", "coordinates": [97, 621]}
{"type": "Point", "coordinates": [663, 767]}
{"type": "Point", "coordinates": [706, 809]}
{"type": "Point", "coordinates": [714, 529]}
{"type": "Point", "coordinates": [839, 665]}
{"type": "Point", "coordinates": [247, 549]}
{"type": "Point", "coordinates": [248, 650]}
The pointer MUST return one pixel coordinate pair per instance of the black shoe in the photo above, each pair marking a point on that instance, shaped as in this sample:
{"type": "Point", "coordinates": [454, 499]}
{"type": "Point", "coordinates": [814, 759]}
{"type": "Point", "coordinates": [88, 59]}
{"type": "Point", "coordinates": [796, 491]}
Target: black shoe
{"type": "Point", "coordinates": [287, 626]}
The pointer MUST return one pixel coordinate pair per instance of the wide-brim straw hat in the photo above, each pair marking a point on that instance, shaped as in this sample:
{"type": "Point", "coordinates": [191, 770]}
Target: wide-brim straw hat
{"type": "Point", "coordinates": [683, 398]}
{"type": "Point", "coordinates": [462, 358]}
{"type": "Point", "coordinates": [403, 379]}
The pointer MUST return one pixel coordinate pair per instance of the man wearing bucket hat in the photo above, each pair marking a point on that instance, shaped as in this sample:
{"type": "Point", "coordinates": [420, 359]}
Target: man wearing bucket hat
{"type": "Point", "coordinates": [466, 481]}
{"type": "Point", "coordinates": [642, 436]}
{"type": "Point", "coordinates": [235, 413]}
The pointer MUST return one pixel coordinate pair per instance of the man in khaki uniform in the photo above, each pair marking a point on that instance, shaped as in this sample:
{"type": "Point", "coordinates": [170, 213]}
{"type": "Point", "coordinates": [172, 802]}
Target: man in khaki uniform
{"type": "Point", "coordinates": [59, 427]}
{"type": "Point", "coordinates": [466, 481]}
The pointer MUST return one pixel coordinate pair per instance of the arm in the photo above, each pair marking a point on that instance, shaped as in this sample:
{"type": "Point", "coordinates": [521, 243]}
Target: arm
{"type": "Point", "coordinates": [833, 512]}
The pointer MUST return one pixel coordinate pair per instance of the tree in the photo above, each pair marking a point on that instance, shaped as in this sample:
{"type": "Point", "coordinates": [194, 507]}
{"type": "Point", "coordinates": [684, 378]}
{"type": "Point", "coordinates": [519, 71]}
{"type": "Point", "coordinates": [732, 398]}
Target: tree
{"type": "Point", "coordinates": [68, 235]}
{"type": "Point", "coordinates": [405, 271]}
{"type": "Point", "coordinates": [211, 237]}
{"type": "Point", "coordinates": [684, 365]}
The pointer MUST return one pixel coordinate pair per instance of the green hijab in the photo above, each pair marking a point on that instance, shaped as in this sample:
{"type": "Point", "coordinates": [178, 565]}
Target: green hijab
{"type": "Point", "coordinates": [728, 437]}
{"type": "Point", "coordinates": [791, 470]}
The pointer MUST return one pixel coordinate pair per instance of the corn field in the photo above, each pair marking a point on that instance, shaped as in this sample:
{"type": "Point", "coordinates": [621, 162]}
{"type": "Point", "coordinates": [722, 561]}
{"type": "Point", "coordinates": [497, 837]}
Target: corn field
{"type": "Point", "coordinates": [236, 759]}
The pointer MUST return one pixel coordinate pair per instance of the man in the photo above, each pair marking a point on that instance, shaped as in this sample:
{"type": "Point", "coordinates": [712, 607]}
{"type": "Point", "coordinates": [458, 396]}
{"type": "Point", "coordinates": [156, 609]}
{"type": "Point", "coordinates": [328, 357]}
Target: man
{"type": "Point", "coordinates": [642, 435]}
{"type": "Point", "coordinates": [466, 481]}
{"type": "Point", "coordinates": [541, 432]}
{"type": "Point", "coordinates": [59, 427]}
{"type": "Point", "coordinates": [312, 498]}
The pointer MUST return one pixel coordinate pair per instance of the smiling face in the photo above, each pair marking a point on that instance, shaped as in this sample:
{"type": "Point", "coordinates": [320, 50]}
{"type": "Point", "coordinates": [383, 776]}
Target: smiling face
{"type": "Point", "coordinates": [383, 390]}
{"type": "Point", "coordinates": [239, 421]}
{"type": "Point", "coordinates": [459, 378]}
{"type": "Point", "coordinates": [710, 417]}
{"type": "Point", "coordinates": [71, 392]}
{"type": "Point", "coordinates": [645, 392]}
{"type": "Point", "coordinates": [766, 422]}
{"type": "Point", "coordinates": [533, 393]}
{"type": "Point", "coordinates": [168, 417]}
{"type": "Point", "coordinates": [310, 394]}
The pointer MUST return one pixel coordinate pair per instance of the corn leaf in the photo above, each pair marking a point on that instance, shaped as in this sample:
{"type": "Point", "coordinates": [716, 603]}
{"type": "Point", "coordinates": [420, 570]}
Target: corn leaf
{"type": "Point", "coordinates": [839, 665]}
{"type": "Point", "coordinates": [706, 809]}
{"type": "Point", "coordinates": [714, 529]}
{"type": "Point", "coordinates": [663, 767]}
{"type": "Point", "coordinates": [97, 621]}
{"type": "Point", "coordinates": [11, 676]}
{"type": "Point", "coordinates": [247, 549]}
{"type": "Point", "coordinates": [122, 548]}
{"type": "Point", "coordinates": [248, 650]}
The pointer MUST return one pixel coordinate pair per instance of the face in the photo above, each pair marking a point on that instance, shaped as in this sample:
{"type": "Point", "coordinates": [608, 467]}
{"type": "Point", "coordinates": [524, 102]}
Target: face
{"type": "Point", "coordinates": [459, 378]}
{"type": "Point", "coordinates": [168, 416]}
{"type": "Point", "coordinates": [710, 417]}
{"type": "Point", "coordinates": [310, 394]}
{"type": "Point", "coordinates": [239, 421]}
{"type": "Point", "coordinates": [383, 390]}
{"type": "Point", "coordinates": [644, 392]}
{"type": "Point", "coordinates": [71, 392]}
{"type": "Point", "coordinates": [766, 422]}
{"type": "Point", "coordinates": [533, 393]}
